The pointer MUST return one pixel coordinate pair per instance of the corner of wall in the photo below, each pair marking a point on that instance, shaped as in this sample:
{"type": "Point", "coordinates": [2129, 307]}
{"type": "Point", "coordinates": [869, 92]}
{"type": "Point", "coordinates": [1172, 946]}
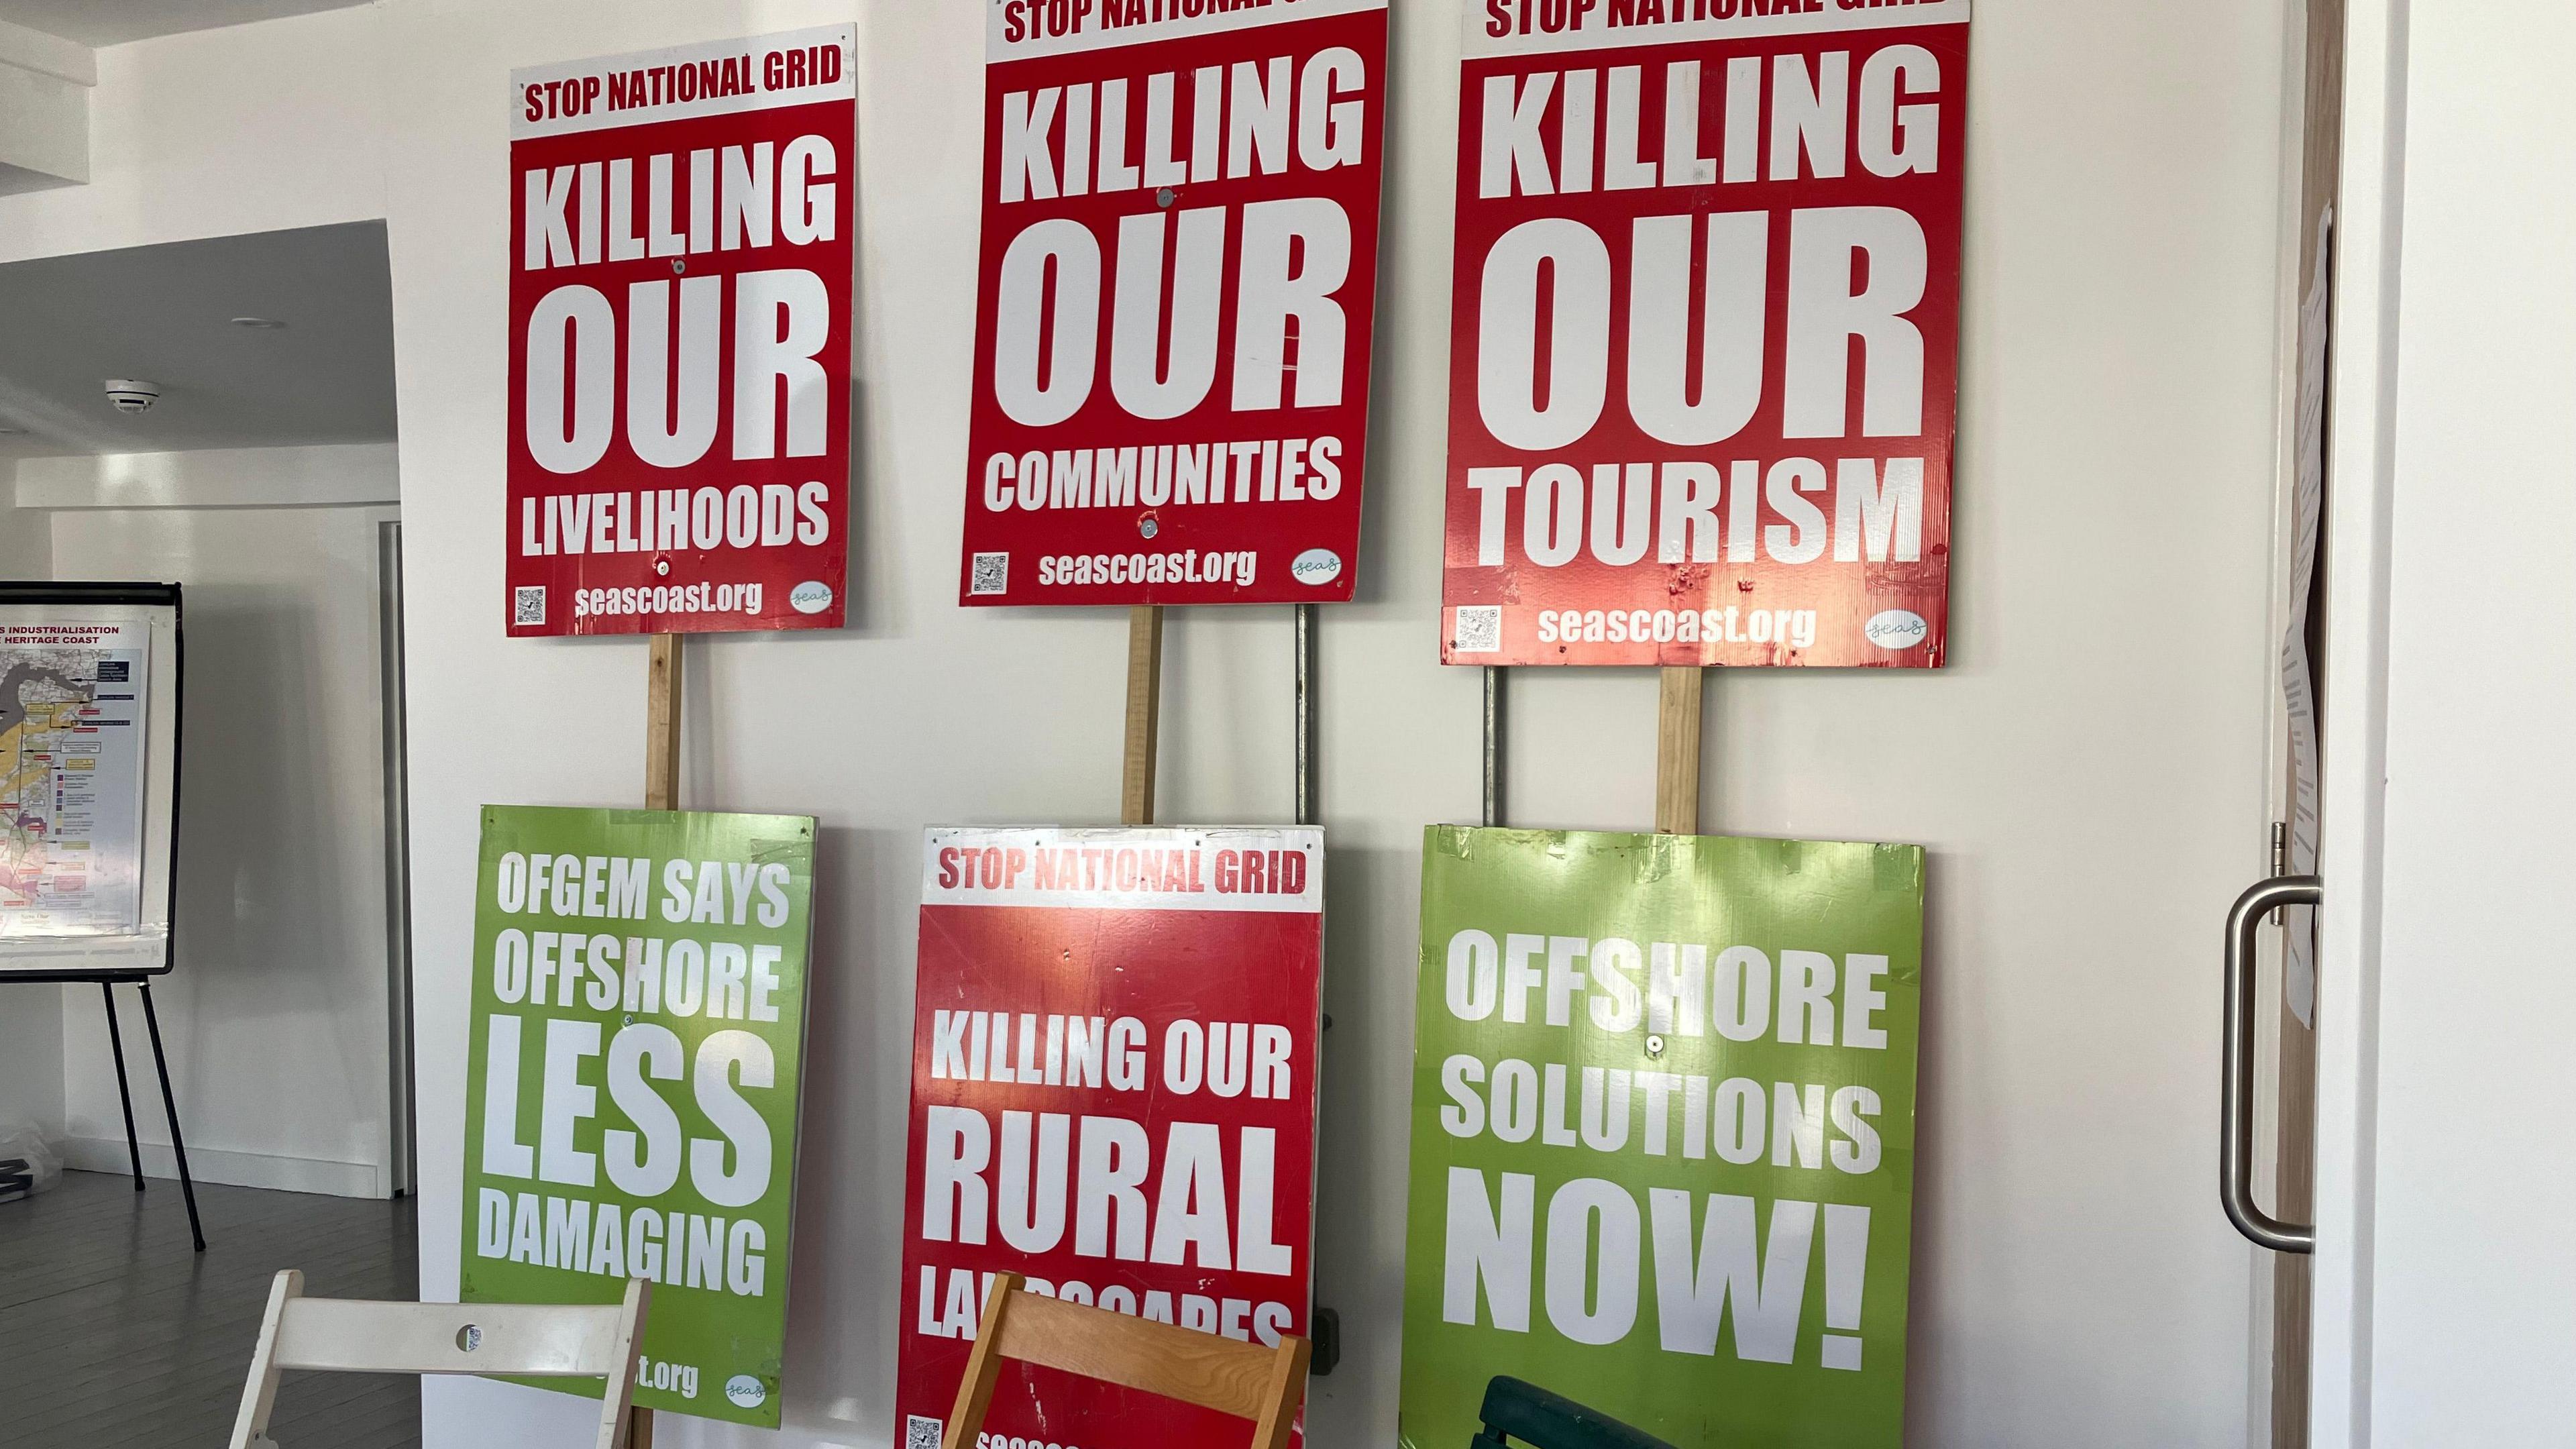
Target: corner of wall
{"type": "Point", "coordinates": [31, 1057]}
{"type": "Point", "coordinates": [26, 534]}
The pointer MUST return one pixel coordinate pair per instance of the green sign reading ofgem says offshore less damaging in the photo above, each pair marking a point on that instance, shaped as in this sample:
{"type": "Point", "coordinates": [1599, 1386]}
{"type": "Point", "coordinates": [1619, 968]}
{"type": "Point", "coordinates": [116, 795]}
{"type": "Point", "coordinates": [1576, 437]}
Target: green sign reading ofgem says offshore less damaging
{"type": "Point", "coordinates": [638, 1033]}
{"type": "Point", "coordinates": [1663, 1134]}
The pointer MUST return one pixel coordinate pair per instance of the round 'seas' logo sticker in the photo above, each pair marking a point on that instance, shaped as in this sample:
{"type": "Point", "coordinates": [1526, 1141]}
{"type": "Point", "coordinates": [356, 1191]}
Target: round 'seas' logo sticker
{"type": "Point", "coordinates": [1896, 629]}
{"type": "Point", "coordinates": [1316, 567]}
{"type": "Point", "coordinates": [810, 597]}
{"type": "Point", "coordinates": [745, 1391]}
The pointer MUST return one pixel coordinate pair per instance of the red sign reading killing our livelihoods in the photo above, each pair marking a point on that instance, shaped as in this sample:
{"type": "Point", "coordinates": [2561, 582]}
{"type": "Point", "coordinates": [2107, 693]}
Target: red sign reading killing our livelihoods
{"type": "Point", "coordinates": [1177, 277]}
{"type": "Point", "coordinates": [1704, 352]}
{"type": "Point", "coordinates": [680, 282]}
{"type": "Point", "coordinates": [1113, 1094]}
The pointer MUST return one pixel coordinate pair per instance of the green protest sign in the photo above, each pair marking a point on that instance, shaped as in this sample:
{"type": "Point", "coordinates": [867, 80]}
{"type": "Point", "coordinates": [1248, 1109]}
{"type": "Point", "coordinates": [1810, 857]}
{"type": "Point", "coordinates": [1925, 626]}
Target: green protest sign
{"type": "Point", "coordinates": [631, 1096]}
{"type": "Point", "coordinates": [1663, 1134]}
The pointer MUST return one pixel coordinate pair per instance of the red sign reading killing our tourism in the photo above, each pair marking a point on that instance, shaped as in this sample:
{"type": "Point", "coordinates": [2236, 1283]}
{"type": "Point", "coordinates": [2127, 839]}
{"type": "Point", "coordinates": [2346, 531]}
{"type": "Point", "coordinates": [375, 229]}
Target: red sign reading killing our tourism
{"type": "Point", "coordinates": [1703, 368]}
{"type": "Point", "coordinates": [1113, 1094]}
{"type": "Point", "coordinates": [1178, 271]}
{"type": "Point", "coordinates": [680, 284]}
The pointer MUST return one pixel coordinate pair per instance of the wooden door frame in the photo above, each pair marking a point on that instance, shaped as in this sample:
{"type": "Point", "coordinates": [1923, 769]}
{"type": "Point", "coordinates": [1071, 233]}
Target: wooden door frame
{"type": "Point", "coordinates": [2360, 458]}
{"type": "Point", "coordinates": [2312, 148]}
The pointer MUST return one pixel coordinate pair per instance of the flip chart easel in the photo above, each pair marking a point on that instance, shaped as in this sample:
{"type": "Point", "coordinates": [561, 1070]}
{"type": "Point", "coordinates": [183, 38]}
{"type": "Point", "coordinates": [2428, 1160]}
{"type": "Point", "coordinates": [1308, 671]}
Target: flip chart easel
{"type": "Point", "coordinates": [130, 959]}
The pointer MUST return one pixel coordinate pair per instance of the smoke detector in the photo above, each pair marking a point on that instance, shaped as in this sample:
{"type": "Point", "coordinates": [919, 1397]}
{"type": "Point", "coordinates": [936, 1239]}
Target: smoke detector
{"type": "Point", "coordinates": [132, 395]}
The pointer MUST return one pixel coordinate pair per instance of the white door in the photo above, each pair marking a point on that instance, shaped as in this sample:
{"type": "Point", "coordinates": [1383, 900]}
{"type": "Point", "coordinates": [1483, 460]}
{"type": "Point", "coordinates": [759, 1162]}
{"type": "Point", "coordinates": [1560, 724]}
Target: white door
{"type": "Point", "coordinates": [277, 1016]}
{"type": "Point", "coordinates": [2445, 1269]}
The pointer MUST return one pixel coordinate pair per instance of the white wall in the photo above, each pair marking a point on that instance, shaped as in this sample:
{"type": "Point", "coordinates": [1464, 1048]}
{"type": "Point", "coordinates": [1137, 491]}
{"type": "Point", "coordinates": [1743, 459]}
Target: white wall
{"type": "Point", "coordinates": [275, 1017]}
{"type": "Point", "coordinates": [31, 1017]}
{"type": "Point", "coordinates": [44, 109]}
{"type": "Point", "coordinates": [2460, 1332]}
{"type": "Point", "coordinates": [26, 539]}
{"type": "Point", "coordinates": [211, 133]}
{"type": "Point", "coordinates": [251, 128]}
{"type": "Point", "coordinates": [330, 473]}
{"type": "Point", "coordinates": [2089, 775]}
{"type": "Point", "coordinates": [31, 1057]}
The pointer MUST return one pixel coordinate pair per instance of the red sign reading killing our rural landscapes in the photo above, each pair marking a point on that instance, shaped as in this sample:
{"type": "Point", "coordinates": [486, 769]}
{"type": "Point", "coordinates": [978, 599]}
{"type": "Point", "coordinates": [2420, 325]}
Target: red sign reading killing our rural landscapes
{"type": "Point", "coordinates": [1704, 353]}
{"type": "Point", "coordinates": [1113, 1093]}
{"type": "Point", "coordinates": [1178, 271]}
{"type": "Point", "coordinates": [680, 338]}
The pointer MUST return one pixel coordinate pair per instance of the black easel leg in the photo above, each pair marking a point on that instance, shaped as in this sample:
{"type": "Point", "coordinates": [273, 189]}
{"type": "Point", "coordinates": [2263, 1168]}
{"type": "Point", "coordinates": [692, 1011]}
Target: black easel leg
{"type": "Point", "coordinates": [170, 1104]}
{"type": "Point", "coordinates": [124, 1093]}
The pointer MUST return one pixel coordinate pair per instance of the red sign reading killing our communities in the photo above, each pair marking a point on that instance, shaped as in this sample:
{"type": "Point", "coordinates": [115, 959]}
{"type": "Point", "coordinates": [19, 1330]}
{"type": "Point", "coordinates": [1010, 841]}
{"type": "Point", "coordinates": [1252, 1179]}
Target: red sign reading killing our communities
{"type": "Point", "coordinates": [1113, 1093]}
{"type": "Point", "coordinates": [1704, 353]}
{"type": "Point", "coordinates": [680, 282]}
{"type": "Point", "coordinates": [1178, 272]}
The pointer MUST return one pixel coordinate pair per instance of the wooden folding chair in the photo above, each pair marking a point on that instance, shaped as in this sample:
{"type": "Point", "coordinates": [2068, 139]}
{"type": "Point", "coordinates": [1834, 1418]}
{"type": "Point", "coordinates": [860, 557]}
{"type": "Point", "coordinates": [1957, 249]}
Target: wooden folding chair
{"type": "Point", "coordinates": [1265, 1385]}
{"type": "Point", "coordinates": [346, 1335]}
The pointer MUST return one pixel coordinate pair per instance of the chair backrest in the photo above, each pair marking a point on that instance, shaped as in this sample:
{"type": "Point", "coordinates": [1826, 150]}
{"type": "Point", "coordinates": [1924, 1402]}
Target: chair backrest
{"type": "Point", "coordinates": [537, 1340]}
{"type": "Point", "coordinates": [1265, 1385]}
{"type": "Point", "coordinates": [1525, 1412]}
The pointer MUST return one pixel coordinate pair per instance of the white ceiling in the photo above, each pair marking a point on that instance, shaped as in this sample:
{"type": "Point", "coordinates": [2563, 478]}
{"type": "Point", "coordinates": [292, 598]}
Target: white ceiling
{"type": "Point", "coordinates": [114, 22]}
{"type": "Point", "coordinates": [163, 314]}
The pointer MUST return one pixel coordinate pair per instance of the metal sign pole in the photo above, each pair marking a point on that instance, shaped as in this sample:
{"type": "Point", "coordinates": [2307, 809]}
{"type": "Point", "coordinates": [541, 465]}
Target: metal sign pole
{"type": "Point", "coordinates": [1305, 714]}
{"type": "Point", "coordinates": [1493, 744]}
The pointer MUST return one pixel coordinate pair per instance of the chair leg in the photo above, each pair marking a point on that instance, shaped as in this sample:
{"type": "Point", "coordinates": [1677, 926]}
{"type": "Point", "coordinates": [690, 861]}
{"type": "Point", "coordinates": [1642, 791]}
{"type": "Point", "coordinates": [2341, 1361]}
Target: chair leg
{"type": "Point", "coordinates": [124, 1091]}
{"type": "Point", "coordinates": [983, 1369]}
{"type": "Point", "coordinates": [170, 1105]}
{"type": "Point", "coordinates": [1287, 1394]}
{"type": "Point", "coordinates": [259, 1393]}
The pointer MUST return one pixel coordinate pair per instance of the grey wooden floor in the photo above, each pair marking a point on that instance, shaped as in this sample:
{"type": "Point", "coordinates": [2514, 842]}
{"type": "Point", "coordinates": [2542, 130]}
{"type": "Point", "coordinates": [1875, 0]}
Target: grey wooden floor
{"type": "Point", "coordinates": [113, 1333]}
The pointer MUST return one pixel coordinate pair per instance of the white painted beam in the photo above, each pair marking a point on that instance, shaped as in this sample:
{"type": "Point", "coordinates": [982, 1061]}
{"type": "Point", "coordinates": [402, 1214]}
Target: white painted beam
{"type": "Point", "coordinates": [45, 82]}
{"type": "Point", "coordinates": [337, 473]}
{"type": "Point", "coordinates": [35, 50]}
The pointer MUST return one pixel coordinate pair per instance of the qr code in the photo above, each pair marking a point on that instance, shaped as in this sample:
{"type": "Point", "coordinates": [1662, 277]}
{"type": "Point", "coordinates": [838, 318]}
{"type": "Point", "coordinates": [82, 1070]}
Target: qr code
{"type": "Point", "coordinates": [992, 576]}
{"type": "Point", "coordinates": [920, 1433]}
{"type": "Point", "coordinates": [1480, 629]}
{"type": "Point", "coordinates": [528, 604]}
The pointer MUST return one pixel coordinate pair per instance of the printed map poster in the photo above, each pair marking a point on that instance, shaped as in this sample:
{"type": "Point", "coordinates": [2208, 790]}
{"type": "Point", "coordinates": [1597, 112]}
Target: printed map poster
{"type": "Point", "coordinates": [1704, 354]}
{"type": "Point", "coordinates": [1177, 283]}
{"type": "Point", "coordinates": [633, 1081]}
{"type": "Point", "coordinates": [680, 284]}
{"type": "Point", "coordinates": [1663, 1134]}
{"type": "Point", "coordinates": [72, 749]}
{"type": "Point", "coordinates": [1113, 1093]}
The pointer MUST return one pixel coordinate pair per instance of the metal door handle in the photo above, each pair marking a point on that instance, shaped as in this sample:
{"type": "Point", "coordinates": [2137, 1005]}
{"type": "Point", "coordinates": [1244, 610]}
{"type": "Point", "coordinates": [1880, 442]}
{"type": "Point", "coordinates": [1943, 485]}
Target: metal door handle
{"type": "Point", "coordinates": [2236, 1089]}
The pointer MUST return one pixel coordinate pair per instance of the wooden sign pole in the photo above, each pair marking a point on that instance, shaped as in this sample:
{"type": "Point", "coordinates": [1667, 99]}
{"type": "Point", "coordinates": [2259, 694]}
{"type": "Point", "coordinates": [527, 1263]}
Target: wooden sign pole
{"type": "Point", "coordinates": [1677, 733]}
{"type": "Point", "coordinates": [662, 726]}
{"type": "Point", "coordinates": [661, 792]}
{"type": "Point", "coordinates": [1144, 711]}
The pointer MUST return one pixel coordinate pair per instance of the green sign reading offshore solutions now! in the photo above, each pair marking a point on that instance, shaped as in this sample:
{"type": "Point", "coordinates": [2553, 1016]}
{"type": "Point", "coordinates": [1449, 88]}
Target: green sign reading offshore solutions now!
{"type": "Point", "coordinates": [631, 1098]}
{"type": "Point", "coordinates": [1663, 1134]}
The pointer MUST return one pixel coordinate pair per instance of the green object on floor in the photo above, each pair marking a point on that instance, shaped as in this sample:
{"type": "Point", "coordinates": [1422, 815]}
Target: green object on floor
{"type": "Point", "coordinates": [1527, 1414]}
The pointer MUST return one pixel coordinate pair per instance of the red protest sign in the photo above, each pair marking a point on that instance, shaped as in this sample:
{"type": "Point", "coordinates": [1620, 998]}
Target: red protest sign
{"type": "Point", "coordinates": [680, 283]}
{"type": "Point", "coordinates": [1178, 272]}
{"type": "Point", "coordinates": [1113, 1093]}
{"type": "Point", "coordinates": [1703, 367]}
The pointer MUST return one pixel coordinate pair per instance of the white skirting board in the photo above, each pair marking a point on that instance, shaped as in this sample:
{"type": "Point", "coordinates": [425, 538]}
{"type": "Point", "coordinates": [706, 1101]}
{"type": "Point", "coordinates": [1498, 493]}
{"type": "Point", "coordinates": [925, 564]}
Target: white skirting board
{"type": "Point", "coordinates": [236, 1169]}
